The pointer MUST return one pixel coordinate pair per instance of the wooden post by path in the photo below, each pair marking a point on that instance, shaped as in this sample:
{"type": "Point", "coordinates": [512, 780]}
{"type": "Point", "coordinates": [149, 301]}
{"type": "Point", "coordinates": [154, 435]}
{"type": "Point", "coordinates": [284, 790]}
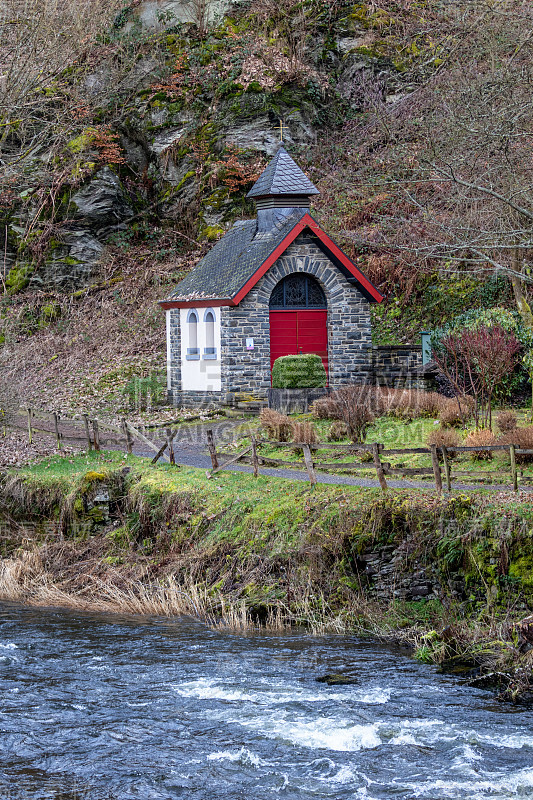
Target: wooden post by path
{"type": "Point", "coordinates": [170, 445]}
{"type": "Point", "coordinates": [255, 459]}
{"type": "Point", "coordinates": [309, 464]}
{"type": "Point", "coordinates": [96, 435]}
{"type": "Point", "coordinates": [514, 473]}
{"type": "Point", "coordinates": [30, 429]}
{"type": "Point", "coordinates": [87, 432]}
{"type": "Point", "coordinates": [447, 471]}
{"type": "Point", "coordinates": [379, 468]}
{"type": "Point", "coordinates": [127, 434]}
{"type": "Point", "coordinates": [56, 428]}
{"type": "Point", "coordinates": [212, 449]}
{"type": "Point", "coordinates": [436, 468]}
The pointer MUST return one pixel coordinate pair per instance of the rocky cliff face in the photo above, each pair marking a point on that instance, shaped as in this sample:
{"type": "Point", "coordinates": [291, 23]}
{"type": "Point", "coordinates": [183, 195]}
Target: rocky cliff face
{"type": "Point", "coordinates": [170, 118]}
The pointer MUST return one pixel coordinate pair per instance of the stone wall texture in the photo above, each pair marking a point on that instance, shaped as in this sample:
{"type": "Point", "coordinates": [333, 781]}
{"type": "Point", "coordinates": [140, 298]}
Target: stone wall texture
{"type": "Point", "coordinates": [174, 368]}
{"type": "Point", "coordinates": [399, 366]}
{"type": "Point", "coordinates": [246, 373]}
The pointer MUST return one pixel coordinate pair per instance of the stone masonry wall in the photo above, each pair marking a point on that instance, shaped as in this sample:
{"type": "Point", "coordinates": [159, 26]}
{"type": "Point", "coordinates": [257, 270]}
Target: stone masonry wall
{"type": "Point", "coordinates": [400, 366]}
{"type": "Point", "coordinates": [174, 368]}
{"type": "Point", "coordinates": [246, 373]}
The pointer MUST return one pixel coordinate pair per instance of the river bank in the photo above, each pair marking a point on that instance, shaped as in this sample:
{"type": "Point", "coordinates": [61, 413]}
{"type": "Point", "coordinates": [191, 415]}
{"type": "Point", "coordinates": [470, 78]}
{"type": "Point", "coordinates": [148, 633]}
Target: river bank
{"type": "Point", "coordinates": [450, 577]}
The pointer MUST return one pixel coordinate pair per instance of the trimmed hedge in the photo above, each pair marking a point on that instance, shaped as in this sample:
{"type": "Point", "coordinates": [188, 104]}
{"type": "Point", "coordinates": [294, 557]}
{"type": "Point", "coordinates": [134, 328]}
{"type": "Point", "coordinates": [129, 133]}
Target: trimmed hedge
{"type": "Point", "coordinates": [304, 371]}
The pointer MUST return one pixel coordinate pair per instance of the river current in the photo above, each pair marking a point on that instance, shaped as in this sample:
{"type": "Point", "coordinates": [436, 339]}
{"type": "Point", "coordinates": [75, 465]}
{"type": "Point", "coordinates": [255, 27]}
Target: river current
{"type": "Point", "coordinates": [97, 707]}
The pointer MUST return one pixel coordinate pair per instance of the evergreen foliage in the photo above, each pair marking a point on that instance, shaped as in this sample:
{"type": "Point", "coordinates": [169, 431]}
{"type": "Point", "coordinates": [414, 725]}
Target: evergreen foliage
{"type": "Point", "coordinates": [303, 371]}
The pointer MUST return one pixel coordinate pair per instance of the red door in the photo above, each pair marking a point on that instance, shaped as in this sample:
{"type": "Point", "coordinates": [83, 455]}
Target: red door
{"type": "Point", "coordinates": [301, 331]}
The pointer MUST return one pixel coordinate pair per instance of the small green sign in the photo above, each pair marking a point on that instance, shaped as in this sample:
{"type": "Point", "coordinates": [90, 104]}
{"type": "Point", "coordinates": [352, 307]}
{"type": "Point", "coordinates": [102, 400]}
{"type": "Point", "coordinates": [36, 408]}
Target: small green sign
{"type": "Point", "coordinates": [426, 347]}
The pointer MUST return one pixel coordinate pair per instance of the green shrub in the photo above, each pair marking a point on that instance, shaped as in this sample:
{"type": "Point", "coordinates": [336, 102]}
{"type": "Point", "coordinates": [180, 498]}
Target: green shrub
{"type": "Point", "coordinates": [304, 371]}
{"type": "Point", "coordinates": [143, 393]}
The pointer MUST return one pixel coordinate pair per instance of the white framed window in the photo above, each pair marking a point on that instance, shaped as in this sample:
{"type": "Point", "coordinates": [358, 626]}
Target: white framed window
{"type": "Point", "coordinates": [193, 351]}
{"type": "Point", "coordinates": [210, 351]}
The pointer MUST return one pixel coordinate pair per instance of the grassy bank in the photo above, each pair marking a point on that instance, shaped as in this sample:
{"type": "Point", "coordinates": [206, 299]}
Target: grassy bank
{"type": "Point", "coordinates": [452, 577]}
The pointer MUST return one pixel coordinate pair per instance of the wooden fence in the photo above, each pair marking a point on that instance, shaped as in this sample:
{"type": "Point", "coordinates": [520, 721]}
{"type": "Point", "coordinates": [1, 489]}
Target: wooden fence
{"type": "Point", "coordinates": [441, 466]}
{"type": "Point", "coordinates": [95, 433]}
{"type": "Point", "coordinates": [98, 434]}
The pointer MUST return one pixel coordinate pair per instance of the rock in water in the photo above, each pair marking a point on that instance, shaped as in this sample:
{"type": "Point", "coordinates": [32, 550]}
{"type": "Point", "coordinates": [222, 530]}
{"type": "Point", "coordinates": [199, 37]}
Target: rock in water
{"type": "Point", "coordinates": [337, 679]}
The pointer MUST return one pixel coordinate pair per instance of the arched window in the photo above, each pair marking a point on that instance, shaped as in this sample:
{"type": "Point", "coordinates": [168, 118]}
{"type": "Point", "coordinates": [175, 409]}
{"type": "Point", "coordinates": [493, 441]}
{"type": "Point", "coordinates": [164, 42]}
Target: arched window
{"type": "Point", "coordinates": [298, 291]}
{"type": "Point", "coordinates": [193, 352]}
{"type": "Point", "coordinates": [210, 351]}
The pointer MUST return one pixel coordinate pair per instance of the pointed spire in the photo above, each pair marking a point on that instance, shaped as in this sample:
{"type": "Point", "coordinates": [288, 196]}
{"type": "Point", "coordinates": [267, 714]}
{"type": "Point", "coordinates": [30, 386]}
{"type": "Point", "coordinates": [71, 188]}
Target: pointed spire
{"type": "Point", "coordinates": [282, 177]}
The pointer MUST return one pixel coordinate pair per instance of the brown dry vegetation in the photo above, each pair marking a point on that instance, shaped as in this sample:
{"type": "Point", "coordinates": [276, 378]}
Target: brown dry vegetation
{"type": "Point", "coordinates": [483, 437]}
{"type": "Point", "coordinates": [405, 404]}
{"type": "Point", "coordinates": [101, 335]}
{"type": "Point", "coordinates": [444, 437]}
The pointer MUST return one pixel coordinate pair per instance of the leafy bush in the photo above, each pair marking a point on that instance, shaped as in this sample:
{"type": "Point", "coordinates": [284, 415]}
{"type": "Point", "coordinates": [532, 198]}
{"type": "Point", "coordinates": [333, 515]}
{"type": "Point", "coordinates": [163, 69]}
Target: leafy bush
{"type": "Point", "coordinates": [508, 321]}
{"type": "Point", "coordinates": [506, 421]}
{"type": "Point", "coordinates": [444, 437]}
{"type": "Point", "coordinates": [483, 437]}
{"type": "Point", "coordinates": [303, 371]}
{"type": "Point", "coordinates": [143, 393]}
{"type": "Point", "coordinates": [276, 426]}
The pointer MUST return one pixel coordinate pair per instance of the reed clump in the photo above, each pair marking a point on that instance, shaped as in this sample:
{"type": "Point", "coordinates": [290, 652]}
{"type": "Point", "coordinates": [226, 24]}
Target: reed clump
{"type": "Point", "coordinates": [277, 427]}
{"type": "Point", "coordinates": [406, 404]}
{"type": "Point", "coordinates": [444, 437]}
{"type": "Point", "coordinates": [506, 421]}
{"type": "Point", "coordinates": [304, 433]}
{"type": "Point", "coordinates": [482, 437]}
{"type": "Point", "coordinates": [522, 438]}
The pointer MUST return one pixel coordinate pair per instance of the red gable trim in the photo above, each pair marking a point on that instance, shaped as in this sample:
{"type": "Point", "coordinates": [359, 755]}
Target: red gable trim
{"type": "Point", "coordinates": [203, 303]}
{"type": "Point", "coordinates": [307, 222]}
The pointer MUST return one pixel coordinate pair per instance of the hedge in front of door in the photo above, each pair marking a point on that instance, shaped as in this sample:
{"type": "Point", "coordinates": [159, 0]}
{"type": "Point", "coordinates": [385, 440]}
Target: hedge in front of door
{"type": "Point", "coordinates": [304, 371]}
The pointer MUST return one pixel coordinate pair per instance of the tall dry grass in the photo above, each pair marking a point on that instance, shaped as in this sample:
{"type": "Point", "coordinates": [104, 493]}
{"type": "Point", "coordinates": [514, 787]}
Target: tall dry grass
{"type": "Point", "coordinates": [27, 579]}
{"type": "Point", "coordinates": [382, 401]}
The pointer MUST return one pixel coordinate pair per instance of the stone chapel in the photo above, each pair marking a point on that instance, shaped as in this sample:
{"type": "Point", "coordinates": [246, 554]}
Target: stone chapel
{"type": "Point", "coordinates": [272, 286]}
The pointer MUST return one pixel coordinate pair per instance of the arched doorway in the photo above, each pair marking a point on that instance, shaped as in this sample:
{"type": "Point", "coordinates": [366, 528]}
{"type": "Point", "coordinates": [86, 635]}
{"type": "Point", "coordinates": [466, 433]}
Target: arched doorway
{"type": "Point", "coordinates": [298, 318]}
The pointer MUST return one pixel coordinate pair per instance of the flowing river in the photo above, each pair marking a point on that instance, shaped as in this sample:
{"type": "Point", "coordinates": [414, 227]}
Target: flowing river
{"type": "Point", "coordinates": [98, 707]}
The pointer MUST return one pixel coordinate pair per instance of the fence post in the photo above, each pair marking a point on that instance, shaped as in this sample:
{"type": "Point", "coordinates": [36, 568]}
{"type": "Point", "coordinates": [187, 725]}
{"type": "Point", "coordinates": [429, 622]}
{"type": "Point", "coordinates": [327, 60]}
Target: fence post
{"type": "Point", "coordinates": [127, 434]}
{"type": "Point", "coordinates": [30, 429]}
{"type": "Point", "coordinates": [309, 464]}
{"type": "Point", "coordinates": [212, 449]}
{"type": "Point", "coordinates": [379, 468]}
{"type": "Point", "coordinates": [255, 460]}
{"type": "Point", "coordinates": [96, 435]}
{"type": "Point", "coordinates": [87, 433]}
{"type": "Point", "coordinates": [447, 471]}
{"type": "Point", "coordinates": [56, 428]}
{"type": "Point", "coordinates": [514, 473]}
{"type": "Point", "coordinates": [436, 468]}
{"type": "Point", "coordinates": [170, 445]}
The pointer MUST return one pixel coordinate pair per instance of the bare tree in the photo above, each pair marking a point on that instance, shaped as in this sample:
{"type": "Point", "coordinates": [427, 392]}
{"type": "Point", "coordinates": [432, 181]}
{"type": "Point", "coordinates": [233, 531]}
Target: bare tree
{"type": "Point", "coordinates": [450, 161]}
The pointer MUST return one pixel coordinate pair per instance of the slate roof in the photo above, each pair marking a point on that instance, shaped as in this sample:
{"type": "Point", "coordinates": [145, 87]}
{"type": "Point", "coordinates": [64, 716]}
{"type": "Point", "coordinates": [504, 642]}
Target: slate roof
{"type": "Point", "coordinates": [233, 260]}
{"type": "Point", "coordinates": [282, 176]}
